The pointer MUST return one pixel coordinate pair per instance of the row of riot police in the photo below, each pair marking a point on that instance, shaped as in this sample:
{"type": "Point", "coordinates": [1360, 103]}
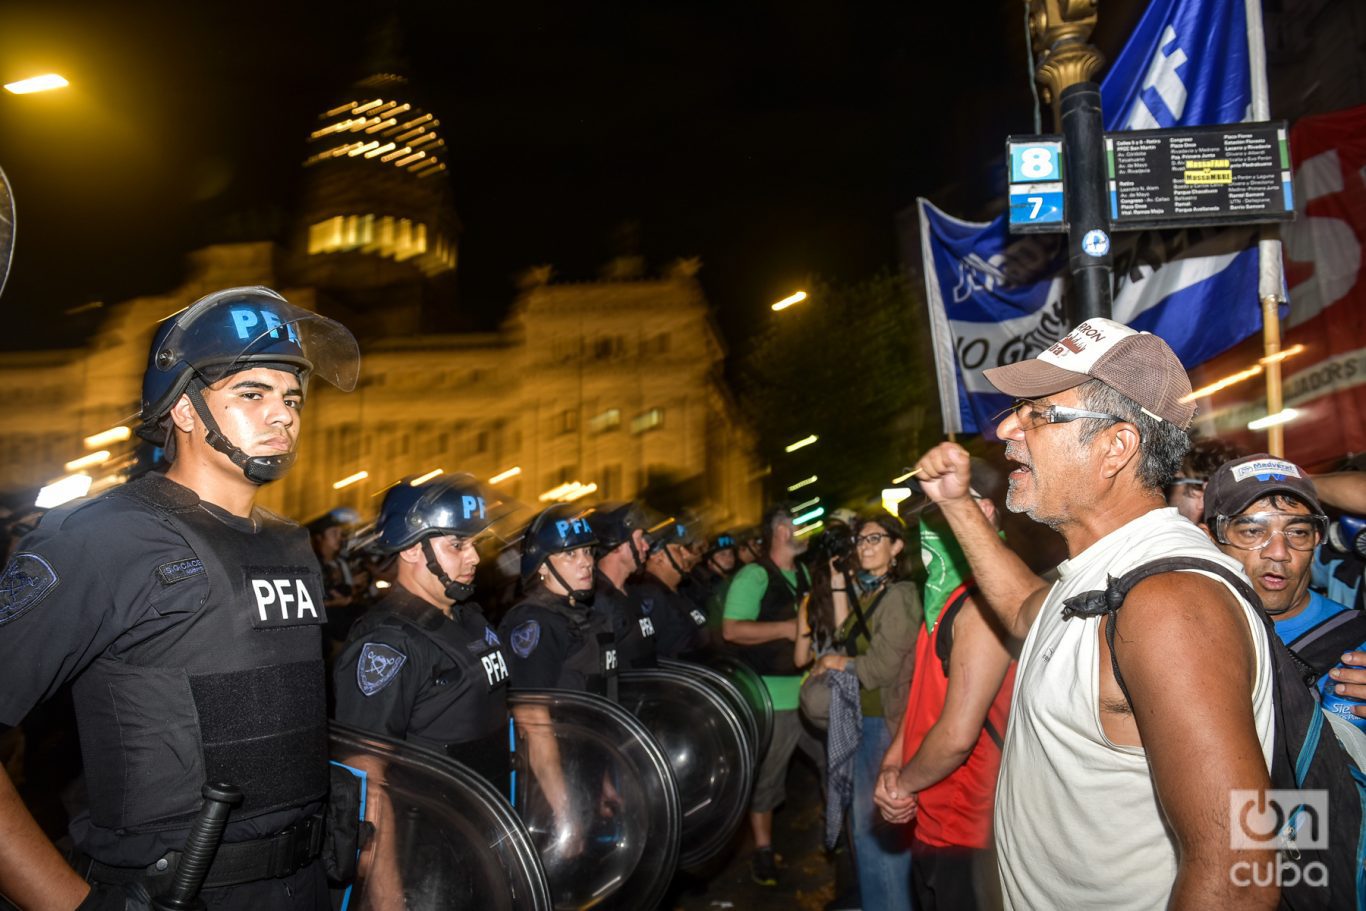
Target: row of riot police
{"type": "Point", "coordinates": [621, 761]}
{"type": "Point", "coordinates": [560, 761]}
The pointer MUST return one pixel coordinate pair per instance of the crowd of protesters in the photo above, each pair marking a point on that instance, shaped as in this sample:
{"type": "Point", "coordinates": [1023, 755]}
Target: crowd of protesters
{"type": "Point", "coordinates": [988, 735]}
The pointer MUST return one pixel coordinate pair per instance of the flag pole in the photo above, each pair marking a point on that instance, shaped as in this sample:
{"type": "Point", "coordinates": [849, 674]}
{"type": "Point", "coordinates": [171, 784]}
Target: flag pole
{"type": "Point", "coordinates": [1271, 276]}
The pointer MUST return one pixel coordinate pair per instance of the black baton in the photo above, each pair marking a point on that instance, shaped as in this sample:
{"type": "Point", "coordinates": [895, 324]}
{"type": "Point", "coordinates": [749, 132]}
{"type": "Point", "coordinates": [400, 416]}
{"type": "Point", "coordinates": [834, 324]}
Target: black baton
{"type": "Point", "coordinates": [200, 847]}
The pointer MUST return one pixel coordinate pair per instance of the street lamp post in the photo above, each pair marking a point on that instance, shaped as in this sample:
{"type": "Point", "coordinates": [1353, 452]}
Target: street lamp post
{"type": "Point", "coordinates": [45, 83]}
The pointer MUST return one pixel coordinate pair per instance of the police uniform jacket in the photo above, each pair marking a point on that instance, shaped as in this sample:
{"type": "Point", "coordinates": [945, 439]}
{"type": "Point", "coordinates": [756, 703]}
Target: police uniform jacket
{"type": "Point", "coordinates": [680, 627]}
{"type": "Point", "coordinates": [634, 628]}
{"type": "Point", "coordinates": [193, 640]}
{"type": "Point", "coordinates": [554, 643]}
{"type": "Point", "coordinates": [410, 672]}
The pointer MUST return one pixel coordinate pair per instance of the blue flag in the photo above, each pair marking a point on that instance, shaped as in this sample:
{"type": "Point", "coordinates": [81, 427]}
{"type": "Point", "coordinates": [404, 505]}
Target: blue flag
{"type": "Point", "coordinates": [996, 298]}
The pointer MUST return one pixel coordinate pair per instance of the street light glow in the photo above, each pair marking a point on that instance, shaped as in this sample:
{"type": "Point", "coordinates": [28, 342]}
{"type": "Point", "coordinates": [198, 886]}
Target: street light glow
{"type": "Point", "coordinates": [94, 458]}
{"type": "Point", "coordinates": [350, 479]}
{"type": "Point", "coordinates": [59, 492]}
{"type": "Point", "coordinates": [1284, 416]}
{"type": "Point", "coordinates": [803, 442]}
{"type": "Point", "coordinates": [43, 83]}
{"type": "Point", "coordinates": [424, 478]}
{"type": "Point", "coordinates": [105, 437]}
{"type": "Point", "coordinates": [790, 300]}
{"type": "Point", "coordinates": [502, 476]}
{"type": "Point", "coordinates": [893, 497]}
{"type": "Point", "coordinates": [811, 502]}
{"type": "Point", "coordinates": [808, 516]}
{"type": "Point", "coordinates": [802, 483]}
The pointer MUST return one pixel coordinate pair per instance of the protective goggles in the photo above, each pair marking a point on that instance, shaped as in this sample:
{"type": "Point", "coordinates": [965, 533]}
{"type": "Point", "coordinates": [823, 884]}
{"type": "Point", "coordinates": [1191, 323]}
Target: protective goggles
{"type": "Point", "coordinates": [1254, 531]}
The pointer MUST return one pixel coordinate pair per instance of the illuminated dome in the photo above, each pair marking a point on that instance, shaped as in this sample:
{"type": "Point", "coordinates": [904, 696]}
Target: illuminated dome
{"type": "Point", "coordinates": [377, 208]}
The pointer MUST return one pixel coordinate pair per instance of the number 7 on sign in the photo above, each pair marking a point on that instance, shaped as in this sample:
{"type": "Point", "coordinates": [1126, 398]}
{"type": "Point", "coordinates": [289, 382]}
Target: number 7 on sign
{"type": "Point", "coordinates": [1037, 203]}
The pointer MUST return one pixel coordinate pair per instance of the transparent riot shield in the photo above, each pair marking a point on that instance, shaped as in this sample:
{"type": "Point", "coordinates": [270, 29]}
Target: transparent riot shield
{"type": "Point", "coordinates": [712, 761]}
{"type": "Point", "coordinates": [6, 229]}
{"type": "Point", "coordinates": [752, 687]}
{"type": "Point", "coordinates": [444, 837]}
{"type": "Point", "coordinates": [728, 691]}
{"type": "Point", "coordinates": [598, 796]}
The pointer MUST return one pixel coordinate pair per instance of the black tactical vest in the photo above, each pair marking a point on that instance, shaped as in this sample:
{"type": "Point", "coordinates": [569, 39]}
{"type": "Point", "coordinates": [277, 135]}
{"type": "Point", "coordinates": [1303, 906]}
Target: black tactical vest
{"type": "Point", "coordinates": [779, 604]}
{"type": "Point", "coordinates": [233, 693]}
{"type": "Point", "coordinates": [472, 685]}
{"type": "Point", "coordinates": [635, 631]}
{"type": "Point", "coordinates": [592, 650]}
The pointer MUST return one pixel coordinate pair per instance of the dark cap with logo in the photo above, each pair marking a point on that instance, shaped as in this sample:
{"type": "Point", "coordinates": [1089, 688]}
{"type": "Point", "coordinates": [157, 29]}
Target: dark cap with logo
{"type": "Point", "coordinates": [1138, 365]}
{"type": "Point", "coordinates": [1242, 482]}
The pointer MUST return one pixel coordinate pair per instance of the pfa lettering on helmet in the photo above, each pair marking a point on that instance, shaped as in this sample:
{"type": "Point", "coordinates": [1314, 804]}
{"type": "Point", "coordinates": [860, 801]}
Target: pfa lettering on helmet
{"type": "Point", "coordinates": [253, 324]}
{"type": "Point", "coordinates": [567, 527]}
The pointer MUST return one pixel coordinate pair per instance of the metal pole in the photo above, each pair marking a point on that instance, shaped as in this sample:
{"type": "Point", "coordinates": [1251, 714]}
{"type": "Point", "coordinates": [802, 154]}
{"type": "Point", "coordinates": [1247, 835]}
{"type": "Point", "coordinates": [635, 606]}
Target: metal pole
{"type": "Point", "coordinates": [1088, 213]}
{"type": "Point", "coordinates": [1271, 342]}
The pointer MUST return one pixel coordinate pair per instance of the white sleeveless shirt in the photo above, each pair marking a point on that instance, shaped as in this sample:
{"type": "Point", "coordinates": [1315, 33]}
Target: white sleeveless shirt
{"type": "Point", "coordinates": [1077, 819]}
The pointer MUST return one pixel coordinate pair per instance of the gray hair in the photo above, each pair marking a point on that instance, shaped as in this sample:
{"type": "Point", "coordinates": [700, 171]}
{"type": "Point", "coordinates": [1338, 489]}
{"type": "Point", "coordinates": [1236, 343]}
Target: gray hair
{"type": "Point", "coordinates": [1162, 444]}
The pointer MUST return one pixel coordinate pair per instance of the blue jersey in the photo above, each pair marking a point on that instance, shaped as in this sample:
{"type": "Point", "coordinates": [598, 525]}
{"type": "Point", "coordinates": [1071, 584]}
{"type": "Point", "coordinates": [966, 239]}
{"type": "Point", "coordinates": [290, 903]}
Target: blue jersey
{"type": "Point", "coordinates": [1319, 610]}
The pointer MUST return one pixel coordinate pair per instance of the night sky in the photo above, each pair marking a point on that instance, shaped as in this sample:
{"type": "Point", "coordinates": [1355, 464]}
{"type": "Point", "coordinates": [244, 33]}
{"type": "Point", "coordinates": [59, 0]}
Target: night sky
{"type": "Point", "coordinates": [773, 140]}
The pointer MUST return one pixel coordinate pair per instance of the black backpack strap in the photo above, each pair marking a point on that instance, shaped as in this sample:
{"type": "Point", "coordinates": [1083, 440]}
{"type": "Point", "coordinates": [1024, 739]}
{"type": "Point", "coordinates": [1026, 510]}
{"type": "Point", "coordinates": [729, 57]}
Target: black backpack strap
{"type": "Point", "coordinates": [943, 647]}
{"type": "Point", "coordinates": [1321, 646]}
{"type": "Point", "coordinates": [943, 643]}
{"type": "Point", "coordinates": [861, 621]}
{"type": "Point", "coordinates": [1108, 602]}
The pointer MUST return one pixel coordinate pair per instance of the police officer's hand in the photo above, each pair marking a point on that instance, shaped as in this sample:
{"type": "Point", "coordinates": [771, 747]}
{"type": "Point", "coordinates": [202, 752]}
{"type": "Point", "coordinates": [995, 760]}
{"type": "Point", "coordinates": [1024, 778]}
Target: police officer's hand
{"type": "Point", "coordinates": [1351, 681]}
{"type": "Point", "coordinates": [895, 807]}
{"type": "Point", "coordinates": [103, 897]}
{"type": "Point", "coordinates": [944, 472]}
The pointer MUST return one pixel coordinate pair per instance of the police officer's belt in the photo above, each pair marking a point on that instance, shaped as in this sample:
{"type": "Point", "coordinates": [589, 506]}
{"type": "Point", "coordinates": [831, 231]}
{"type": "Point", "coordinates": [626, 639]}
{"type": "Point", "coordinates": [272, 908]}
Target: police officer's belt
{"type": "Point", "coordinates": [240, 862]}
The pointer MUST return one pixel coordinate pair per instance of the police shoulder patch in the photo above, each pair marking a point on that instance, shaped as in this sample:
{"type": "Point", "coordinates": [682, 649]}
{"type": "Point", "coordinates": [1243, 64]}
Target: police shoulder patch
{"type": "Point", "coordinates": [525, 638]}
{"type": "Point", "coordinates": [377, 666]}
{"type": "Point", "coordinates": [491, 637]}
{"type": "Point", "coordinates": [26, 581]}
{"type": "Point", "coordinates": [647, 605]}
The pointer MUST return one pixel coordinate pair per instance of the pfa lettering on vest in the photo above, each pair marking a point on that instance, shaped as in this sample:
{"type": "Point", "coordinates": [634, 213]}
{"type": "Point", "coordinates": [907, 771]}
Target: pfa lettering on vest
{"type": "Point", "coordinates": [647, 628]}
{"type": "Point", "coordinates": [609, 660]}
{"type": "Point", "coordinates": [283, 596]}
{"type": "Point", "coordinates": [495, 668]}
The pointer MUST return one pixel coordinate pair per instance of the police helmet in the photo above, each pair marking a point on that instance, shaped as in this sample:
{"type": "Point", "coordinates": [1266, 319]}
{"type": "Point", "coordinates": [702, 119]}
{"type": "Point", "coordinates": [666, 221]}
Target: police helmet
{"type": "Point", "coordinates": [560, 528]}
{"type": "Point", "coordinates": [614, 523]}
{"type": "Point", "coordinates": [456, 505]}
{"type": "Point", "coordinates": [233, 330]}
{"type": "Point", "coordinates": [669, 531]}
{"type": "Point", "coordinates": [725, 540]}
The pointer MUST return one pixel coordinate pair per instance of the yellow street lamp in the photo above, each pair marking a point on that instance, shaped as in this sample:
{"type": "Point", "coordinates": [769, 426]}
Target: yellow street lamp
{"type": "Point", "coordinates": [44, 83]}
{"type": "Point", "coordinates": [791, 299]}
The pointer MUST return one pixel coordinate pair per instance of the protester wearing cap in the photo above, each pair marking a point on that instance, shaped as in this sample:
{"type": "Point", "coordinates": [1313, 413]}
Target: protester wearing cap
{"type": "Point", "coordinates": [1100, 803]}
{"type": "Point", "coordinates": [1265, 513]}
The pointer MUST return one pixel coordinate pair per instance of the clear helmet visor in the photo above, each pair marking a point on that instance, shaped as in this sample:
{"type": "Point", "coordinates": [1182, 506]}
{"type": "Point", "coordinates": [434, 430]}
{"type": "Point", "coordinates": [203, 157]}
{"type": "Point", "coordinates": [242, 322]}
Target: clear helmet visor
{"type": "Point", "coordinates": [227, 332]}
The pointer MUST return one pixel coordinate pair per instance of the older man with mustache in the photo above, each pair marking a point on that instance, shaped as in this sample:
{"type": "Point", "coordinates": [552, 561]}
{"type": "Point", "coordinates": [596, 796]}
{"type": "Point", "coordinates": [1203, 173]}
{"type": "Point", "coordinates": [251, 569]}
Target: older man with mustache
{"type": "Point", "coordinates": [1111, 798]}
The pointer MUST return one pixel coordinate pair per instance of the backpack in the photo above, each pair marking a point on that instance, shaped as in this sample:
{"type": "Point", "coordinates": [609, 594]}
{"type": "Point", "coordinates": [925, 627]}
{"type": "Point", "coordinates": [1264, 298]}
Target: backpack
{"type": "Point", "coordinates": [943, 647]}
{"type": "Point", "coordinates": [1306, 753]}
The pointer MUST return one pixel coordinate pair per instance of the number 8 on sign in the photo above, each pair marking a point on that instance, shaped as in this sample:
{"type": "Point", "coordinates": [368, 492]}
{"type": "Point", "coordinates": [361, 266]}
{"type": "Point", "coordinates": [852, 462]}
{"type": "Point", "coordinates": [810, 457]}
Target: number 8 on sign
{"type": "Point", "coordinates": [1034, 163]}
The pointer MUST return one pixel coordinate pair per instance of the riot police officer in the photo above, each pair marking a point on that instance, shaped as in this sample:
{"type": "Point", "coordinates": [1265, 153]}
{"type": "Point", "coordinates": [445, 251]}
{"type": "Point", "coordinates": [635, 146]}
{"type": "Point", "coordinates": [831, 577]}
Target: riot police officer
{"type": "Point", "coordinates": [555, 638]}
{"type": "Point", "coordinates": [680, 626]}
{"type": "Point", "coordinates": [189, 621]}
{"type": "Point", "coordinates": [423, 665]}
{"type": "Point", "coordinates": [709, 577]}
{"type": "Point", "coordinates": [620, 529]}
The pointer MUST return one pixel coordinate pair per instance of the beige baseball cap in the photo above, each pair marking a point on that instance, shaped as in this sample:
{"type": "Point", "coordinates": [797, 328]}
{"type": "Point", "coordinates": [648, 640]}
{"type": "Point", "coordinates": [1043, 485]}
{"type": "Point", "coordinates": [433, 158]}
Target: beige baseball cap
{"type": "Point", "coordinates": [1139, 365]}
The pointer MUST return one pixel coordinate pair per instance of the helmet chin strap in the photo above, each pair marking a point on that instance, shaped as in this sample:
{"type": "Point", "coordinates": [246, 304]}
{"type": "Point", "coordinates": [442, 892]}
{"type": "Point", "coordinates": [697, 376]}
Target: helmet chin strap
{"type": "Point", "coordinates": [577, 595]}
{"type": "Point", "coordinates": [456, 591]}
{"type": "Point", "coordinates": [674, 563]}
{"type": "Point", "coordinates": [258, 469]}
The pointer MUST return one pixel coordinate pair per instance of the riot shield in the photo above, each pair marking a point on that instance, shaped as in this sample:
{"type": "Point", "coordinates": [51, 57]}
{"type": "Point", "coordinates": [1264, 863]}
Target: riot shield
{"type": "Point", "coordinates": [752, 687]}
{"type": "Point", "coordinates": [598, 796]}
{"type": "Point", "coordinates": [6, 229]}
{"type": "Point", "coordinates": [712, 760]}
{"type": "Point", "coordinates": [444, 837]}
{"type": "Point", "coordinates": [728, 691]}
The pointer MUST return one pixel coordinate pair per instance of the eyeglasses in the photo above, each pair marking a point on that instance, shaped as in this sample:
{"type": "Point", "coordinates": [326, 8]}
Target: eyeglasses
{"type": "Point", "coordinates": [1032, 415]}
{"type": "Point", "coordinates": [1193, 485]}
{"type": "Point", "coordinates": [1255, 531]}
{"type": "Point", "coordinates": [872, 540]}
